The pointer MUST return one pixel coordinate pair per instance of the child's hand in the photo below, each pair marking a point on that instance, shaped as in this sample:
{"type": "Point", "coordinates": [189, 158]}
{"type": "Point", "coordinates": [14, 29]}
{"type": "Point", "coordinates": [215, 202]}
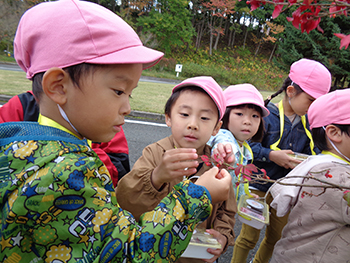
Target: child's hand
{"type": "Point", "coordinates": [282, 158]}
{"type": "Point", "coordinates": [223, 153]}
{"type": "Point", "coordinates": [255, 196]}
{"type": "Point", "coordinates": [217, 182]}
{"type": "Point", "coordinates": [175, 164]}
{"type": "Point", "coordinates": [216, 252]}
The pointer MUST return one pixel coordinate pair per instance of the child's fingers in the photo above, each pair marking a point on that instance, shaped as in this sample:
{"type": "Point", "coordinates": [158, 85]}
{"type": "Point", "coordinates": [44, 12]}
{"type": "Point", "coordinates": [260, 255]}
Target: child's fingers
{"type": "Point", "coordinates": [255, 196]}
{"type": "Point", "coordinates": [183, 165]}
{"type": "Point", "coordinates": [230, 158]}
{"type": "Point", "coordinates": [221, 174]}
{"type": "Point", "coordinates": [221, 239]}
{"type": "Point", "coordinates": [224, 153]}
{"type": "Point", "coordinates": [224, 176]}
{"type": "Point", "coordinates": [213, 259]}
{"type": "Point", "coordinates": [217, 184]}
{"type": "Point", "coordinates": [228, 148]}
{"type": "Point", "coordinates": [181, 154]}
{"type": "Point", "coordinates": [218, 154]}
{"type": "Point", "coordinates": [221, 150]}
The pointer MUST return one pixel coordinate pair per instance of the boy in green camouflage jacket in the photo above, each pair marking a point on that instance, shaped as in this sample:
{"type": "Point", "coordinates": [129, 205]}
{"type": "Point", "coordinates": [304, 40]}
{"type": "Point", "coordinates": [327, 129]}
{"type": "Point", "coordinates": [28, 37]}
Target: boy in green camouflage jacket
{"type": "Point", "coordinates": [57, 199]}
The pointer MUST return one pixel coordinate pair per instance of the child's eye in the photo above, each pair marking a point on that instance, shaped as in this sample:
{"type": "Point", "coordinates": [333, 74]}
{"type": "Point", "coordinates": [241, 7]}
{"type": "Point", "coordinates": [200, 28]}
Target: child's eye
{"type": "Point", "coordinates": [183, 114]}
{"type": "Point", "coordinates": [239, 114]}
{"type": "Point", "coordinates": [119, 92]}
{"type": "Point", "coordinates": [256, 116]}
{"type": "Point", "coordinates": [205, 118]}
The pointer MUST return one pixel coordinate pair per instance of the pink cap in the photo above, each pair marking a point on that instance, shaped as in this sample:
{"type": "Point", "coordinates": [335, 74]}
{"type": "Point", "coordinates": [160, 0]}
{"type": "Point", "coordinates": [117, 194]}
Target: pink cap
{"type": "Point", "coordinates": [330, 108]}
{"type": "Point", "coordinates": [312, 77]}
{"type": "Point", "coordinates": [245, 94]}
{"type": "Point", "coordinates": [69, 32]}
{"type": "Point", "coordinates": [210, 86]}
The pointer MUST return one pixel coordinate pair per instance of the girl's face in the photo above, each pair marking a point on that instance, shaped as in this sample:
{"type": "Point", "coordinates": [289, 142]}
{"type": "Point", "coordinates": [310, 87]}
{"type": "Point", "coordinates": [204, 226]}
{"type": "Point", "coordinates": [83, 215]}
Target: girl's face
{"type": "Point", "coordinates": [244, 123]}
{"type": "Point", "coordinates": [98, 107]}
{"type": "Point", "coordinates": [193, 120]}
{"type": "Point", "coordinates": [300, 103]}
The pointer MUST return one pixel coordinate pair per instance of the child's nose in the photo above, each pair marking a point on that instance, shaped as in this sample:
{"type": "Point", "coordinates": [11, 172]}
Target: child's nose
{"type": "Point", "coordinates": [125, 109]}
{"type": "Point", "coordinates": [247, 120]}
{"type": "Point", "coordinates": [192, 124]}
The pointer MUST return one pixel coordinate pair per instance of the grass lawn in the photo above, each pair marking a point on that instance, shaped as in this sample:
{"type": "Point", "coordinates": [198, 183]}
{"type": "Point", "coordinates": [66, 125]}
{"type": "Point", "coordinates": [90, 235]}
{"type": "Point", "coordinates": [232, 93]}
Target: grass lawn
{"type": "Point", "coordinates": [148, 97]}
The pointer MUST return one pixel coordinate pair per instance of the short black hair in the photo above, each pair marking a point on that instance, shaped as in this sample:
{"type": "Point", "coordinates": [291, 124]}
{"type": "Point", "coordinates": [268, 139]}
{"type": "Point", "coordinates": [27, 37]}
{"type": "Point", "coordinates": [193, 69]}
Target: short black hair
{"type": "Point", "coordinates": [258, 136]}
{"type": "Point", "coordinates": [75, 72]}
{"type": "Point", "coordinates": [320, 138]}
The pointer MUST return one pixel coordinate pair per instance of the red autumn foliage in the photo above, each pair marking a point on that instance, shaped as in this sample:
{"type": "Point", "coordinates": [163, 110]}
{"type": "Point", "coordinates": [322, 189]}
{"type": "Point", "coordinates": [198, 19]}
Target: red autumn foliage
{"type": "Point", "coordinates": [308, 14]}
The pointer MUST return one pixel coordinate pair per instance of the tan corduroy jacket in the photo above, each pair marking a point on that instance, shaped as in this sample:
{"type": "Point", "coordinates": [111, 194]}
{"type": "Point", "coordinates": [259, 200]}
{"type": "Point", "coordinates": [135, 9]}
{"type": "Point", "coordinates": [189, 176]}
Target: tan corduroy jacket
{"type": "Point", "coordinates": [136, 193]}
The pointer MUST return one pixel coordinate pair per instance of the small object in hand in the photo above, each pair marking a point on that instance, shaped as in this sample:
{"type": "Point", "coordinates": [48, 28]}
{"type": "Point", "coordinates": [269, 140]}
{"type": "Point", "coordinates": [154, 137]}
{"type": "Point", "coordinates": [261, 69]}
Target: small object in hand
{"type": "Point", "coordinates": [299, 157]}
{"type": "Point", "coordinates": [200, 242]}
{"type": "Point", "coordinates": [185, 177]}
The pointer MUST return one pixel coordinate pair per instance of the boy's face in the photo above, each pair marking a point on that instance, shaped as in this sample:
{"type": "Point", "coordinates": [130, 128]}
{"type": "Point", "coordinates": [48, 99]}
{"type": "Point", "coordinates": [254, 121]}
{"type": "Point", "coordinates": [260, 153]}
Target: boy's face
{"type": "Point", "coordinates": [98, 107]}
{"type": "Point", "coordinates": [193, 120]}
{"type": "Point", "coordinates": [244, 123]}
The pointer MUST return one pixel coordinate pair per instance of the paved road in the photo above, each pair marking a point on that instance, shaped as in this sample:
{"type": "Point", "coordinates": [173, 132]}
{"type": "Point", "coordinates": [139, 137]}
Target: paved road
{"type": "Point", "coordinates": [10, 66]}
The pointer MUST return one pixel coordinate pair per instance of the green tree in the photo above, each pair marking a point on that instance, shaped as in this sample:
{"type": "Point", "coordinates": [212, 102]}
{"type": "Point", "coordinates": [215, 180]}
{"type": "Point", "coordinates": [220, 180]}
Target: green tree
{"type": "Point", "coordinates": [10, 14]}
{"type": "Point", "coordinates": [323, 47]}
{"type": "Point", "coordinates": [170, 22]}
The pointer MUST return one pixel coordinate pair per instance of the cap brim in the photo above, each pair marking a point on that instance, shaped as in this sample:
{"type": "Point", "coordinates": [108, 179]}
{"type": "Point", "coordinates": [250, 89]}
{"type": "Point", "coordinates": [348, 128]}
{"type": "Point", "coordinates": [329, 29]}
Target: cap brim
{"type": "Point", "coordinates": [265, 111]}
{"type": "Point", "coordinates": [132, 55]}
{"type": "Point", "coordinates": [211, 94]}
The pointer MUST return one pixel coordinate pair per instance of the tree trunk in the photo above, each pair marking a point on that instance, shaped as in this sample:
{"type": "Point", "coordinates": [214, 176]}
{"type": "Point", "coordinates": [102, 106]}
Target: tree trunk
{"type": "Point", "coordinates": [245, 37]}
{"type": "Point", "coordinates": [342, 82]}
{"type": "Point", "coordinates": [233, 38]}
{"type": "Point", "coordinates": [259, 45]}
{"type": "Point", "coordinates": [257, 48]}
{"type": "Point", "coordinates": [227, 28]}
{"type": "Point", "coordinates": [218, 36]}
{"type": "Point", "coordinates": [230, 38]}
{"type": "Point", "coordinates": [211, 36]}
{"type": "Point", "coordinates": [273, 51]}
{"type": "Point", "coordinates": [200, 34]}
{"type": "Point", "coordinates": [246, 32]}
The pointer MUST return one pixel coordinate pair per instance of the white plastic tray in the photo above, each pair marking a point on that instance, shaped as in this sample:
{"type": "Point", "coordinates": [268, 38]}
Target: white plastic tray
{"type": "Point", "coordinates": [199, 244]}
{"type": "Point", "coordinates": [253, 212]}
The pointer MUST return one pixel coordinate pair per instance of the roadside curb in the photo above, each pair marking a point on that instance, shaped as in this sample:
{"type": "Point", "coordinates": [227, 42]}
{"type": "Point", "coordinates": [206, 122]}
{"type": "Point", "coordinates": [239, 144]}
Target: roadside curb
{"type": "Point", "coordinates": [5, 98]}
{"type": "Point", "coordinates": [147, 115]}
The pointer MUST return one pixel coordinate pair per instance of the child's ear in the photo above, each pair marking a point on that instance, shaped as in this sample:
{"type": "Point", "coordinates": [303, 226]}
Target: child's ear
{"type": "Point", "coordinates": [290, 91]}
{"type": "Point", "coordinates": [333, 133]}
{"type": "Point", "coordinates": [217, 128]}
{"type": "Point", "coordinates": [54, 84]}
{"type": "Point", "coordinates": [167, 120]}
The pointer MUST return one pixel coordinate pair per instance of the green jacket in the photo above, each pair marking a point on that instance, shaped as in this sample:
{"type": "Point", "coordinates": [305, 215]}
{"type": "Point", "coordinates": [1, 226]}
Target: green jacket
{"type": "Point", "coordinates": [58, 203]}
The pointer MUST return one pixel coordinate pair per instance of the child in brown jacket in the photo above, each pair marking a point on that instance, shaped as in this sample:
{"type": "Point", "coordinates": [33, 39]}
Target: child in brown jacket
{"type": "Point", "coordinates": [194, 113]}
